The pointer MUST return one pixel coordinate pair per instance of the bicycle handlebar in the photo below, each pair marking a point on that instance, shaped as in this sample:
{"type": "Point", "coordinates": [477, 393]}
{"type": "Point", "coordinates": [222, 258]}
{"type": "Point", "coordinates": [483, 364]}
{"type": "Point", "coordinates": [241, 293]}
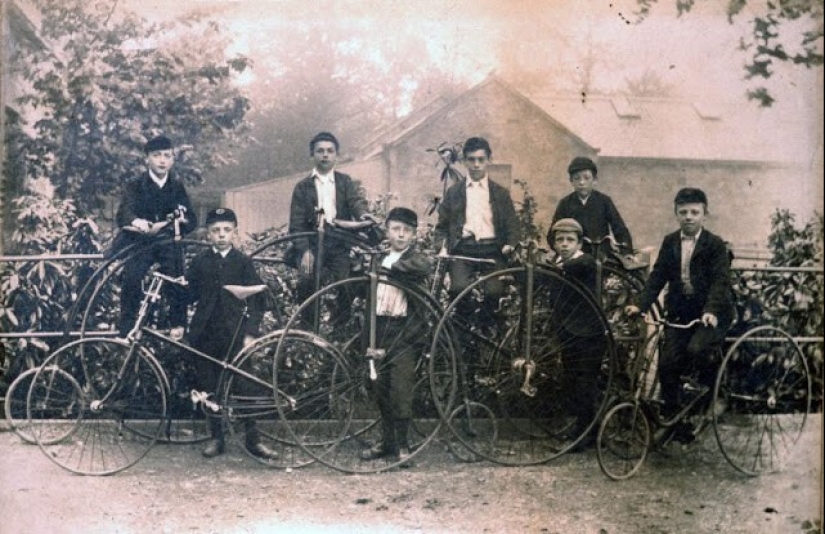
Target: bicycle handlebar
{"type": "Point", "coordinates": [179, 280]}
{"type": "Point", "coordinates": [663, 322]}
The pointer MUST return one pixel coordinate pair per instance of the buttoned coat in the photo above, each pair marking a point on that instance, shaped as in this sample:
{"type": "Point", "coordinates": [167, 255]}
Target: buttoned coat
{"type": "Point", "coordinates": [709, 276]}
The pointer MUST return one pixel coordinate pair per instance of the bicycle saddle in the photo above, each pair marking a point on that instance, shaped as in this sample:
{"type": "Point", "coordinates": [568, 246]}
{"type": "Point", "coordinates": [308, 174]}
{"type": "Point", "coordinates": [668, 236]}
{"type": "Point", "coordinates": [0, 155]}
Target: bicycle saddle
{"type": "Point", "coordinates": [244, 292]}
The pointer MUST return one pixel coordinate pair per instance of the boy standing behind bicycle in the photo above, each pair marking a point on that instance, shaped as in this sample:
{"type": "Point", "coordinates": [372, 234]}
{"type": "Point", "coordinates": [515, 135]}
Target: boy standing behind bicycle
{"type": "Point", "coordinates": [214, 324]}
{"type": "Point", "coordinates": [594, 210]}
{"type": "Point", "coordinates": [695, 266]}
{"type": "Point", "coordinates": [394, 314]}
{"type": "Point", "coordinates": [580, 332]}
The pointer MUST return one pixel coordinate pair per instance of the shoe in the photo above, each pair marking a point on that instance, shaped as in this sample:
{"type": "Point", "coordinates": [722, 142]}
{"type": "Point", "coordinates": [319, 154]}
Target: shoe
{"type": "Point", "coordinates": [214, 447]}
{"type": "Point", "coordinates": [378, 452]}
{"type": "Point", "coordinates": [404, 455]}
{"type": "Point", "coordinates": [260, 450]}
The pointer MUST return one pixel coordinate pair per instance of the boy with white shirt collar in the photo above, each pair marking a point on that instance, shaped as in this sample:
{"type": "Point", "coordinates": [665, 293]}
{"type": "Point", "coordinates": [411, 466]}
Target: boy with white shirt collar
{"type": "Point", "coordinates": [213, 327]}
{"type": "Point", "coordinates": [339, 198]}
{"type": "Point", "coordinates": [143, 216]}
{"type": "Point", "coordinates": [396, 316]}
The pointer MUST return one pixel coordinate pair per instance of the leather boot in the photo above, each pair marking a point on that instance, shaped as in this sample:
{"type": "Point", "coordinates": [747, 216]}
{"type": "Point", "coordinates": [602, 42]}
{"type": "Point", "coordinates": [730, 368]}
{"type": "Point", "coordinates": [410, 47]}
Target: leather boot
{"type": "Point", "coordinates": [253, 442]}
{"type": "Point", "coordinates": [388, 447]}
{"type": "Point", "coordinates": [402, 429]}
{"type": "Point", "coordinates": [215, 446]}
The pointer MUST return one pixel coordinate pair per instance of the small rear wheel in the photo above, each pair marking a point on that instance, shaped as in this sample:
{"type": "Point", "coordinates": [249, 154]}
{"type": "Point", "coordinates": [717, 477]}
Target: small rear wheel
{"type": "Point", "coordinates": [623, 441]}
{"type": "Point", "coordinates": [15, 405]}
{"type": "Point", "coordinates": [762, 399]}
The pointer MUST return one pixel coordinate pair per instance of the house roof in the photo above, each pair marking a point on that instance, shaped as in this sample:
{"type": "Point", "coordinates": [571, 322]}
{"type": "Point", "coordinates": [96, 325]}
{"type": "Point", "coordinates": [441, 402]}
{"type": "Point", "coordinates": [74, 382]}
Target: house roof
{"type": "Point", "coordinates": [663, 128]}
{"type": "Point", "coordinates": [645, 128]}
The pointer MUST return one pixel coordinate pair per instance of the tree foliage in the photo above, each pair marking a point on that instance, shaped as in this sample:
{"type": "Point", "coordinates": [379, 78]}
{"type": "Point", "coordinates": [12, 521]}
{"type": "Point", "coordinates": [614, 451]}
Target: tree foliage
{"type": "Point", "coordinates": [795, 23]}
{"type": "Point", "coordinates": [106, 80]}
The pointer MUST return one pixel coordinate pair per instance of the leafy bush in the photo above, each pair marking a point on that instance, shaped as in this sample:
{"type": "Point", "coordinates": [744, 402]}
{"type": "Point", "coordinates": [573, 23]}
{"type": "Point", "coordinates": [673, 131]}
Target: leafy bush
{"type": "Point", "coordinates": [37, 294]}
{"type": "Point", "coordinates": [792, 301]}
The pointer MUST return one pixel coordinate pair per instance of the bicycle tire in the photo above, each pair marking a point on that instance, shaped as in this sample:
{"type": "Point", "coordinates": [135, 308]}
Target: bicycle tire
{"type": "Point", "coordinates": [117, 387]}
{"type": "Point", "coordinates": [15, 407]}
{"type": "Point", "coordinates": [347, 420]}
{"type": "Point", "coordinates": [623, 441]}
{"type": "Point", "coordinates": [534, 419]}
{"type": "Point", "coordinates": [247, 400]}
{"type": "Point", "coordinates": [761, 400]}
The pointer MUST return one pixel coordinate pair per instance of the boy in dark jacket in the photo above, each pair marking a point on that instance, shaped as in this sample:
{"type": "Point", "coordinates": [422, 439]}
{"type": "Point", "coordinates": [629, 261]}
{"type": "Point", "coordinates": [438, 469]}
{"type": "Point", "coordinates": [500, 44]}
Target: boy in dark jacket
{"type": "Point", "coordinates": [397, 316]}
{"type": "Point", "coordinates": [594, 210]}
{"type": "Point", "coordinates": [695, 265]}
{"type": "Point", "coordinates": [143, 215]}
{"type": "Point", "coordinates": [579, 329]}
{"type": "Point", "coordinates": [216, 317]}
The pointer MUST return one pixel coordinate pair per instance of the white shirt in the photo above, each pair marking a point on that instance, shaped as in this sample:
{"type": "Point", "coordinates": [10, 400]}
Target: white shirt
{"type": "Point", "coordinates": [478, 216]}
{"type": "Point", "coordinates": [223, 253]}
{"type": "Point", "coordinates": [688, 244]}
{"type": "Point", "coordinates": [160, 182]}
{"type": "Point", "coordinates": [325, 186]}
{"type": "Point", "coordinates": [391, 301]}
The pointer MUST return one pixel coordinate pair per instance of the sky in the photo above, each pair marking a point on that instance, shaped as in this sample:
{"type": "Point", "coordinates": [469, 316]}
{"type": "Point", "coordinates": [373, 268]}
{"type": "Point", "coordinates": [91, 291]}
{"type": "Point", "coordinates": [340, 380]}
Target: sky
{"type": "Point", "coordinates": [696, 53]}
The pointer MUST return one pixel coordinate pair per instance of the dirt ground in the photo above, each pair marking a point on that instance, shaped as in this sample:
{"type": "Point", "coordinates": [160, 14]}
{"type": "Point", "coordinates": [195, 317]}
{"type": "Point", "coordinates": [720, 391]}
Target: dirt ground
{"type": "Point", "coordinates": [174, 490]}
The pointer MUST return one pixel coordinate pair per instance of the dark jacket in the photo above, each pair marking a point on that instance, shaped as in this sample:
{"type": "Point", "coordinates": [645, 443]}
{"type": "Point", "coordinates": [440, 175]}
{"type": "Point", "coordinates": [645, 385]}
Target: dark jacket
{"type": "Point", "coordinates": [143, 199]}
{"type": "Point", "coordinates": [412, 267]}
{"type": "Point", "coordinates": [349, 203]}
{"type": "Point", "coordinates": [598, 217]}
{"type": "Point", "coordinates": [217, 309]}
{"type": "Point", "coordinates": [577, 317]}
{"type": "Point", "coordinates": [709, 275]}
{"type": "Point", "coordinates": [451, 216]}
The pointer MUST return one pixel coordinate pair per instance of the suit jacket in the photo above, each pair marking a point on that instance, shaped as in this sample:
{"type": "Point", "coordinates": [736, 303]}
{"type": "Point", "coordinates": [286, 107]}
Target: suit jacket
{"type": "Point", "coordinates": [569, 312]}
{"type": "Point", "coordinates": [709, 275]}
{"type": "Point", "coordinates": [217, 309]}
{"type": "Point", "coordinates": [142, 199]}
{"type": "Point", "coordinates": [349, 203]}
{"type": "Point", "coordinates": [452, 216]}
{"type": "Point", "coordinates": [598, 217]}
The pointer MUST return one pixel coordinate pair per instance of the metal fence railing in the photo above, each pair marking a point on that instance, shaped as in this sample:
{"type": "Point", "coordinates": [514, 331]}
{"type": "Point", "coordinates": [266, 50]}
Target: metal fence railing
{"type": "Point", "coordinates": [99, 257]}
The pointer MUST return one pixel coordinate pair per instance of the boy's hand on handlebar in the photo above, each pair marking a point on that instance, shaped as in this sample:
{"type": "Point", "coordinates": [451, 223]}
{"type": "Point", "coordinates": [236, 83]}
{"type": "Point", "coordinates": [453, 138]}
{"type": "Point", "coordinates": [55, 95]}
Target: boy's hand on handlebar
{"type": "Point", "coordinates": [176, 333]}
{"type": "Point", "coordinates": [507, 249]}
{"type": "Point", "coordinates": [307, 263]}
{"type": "Point", "coordinates": [631, 310]}
{"type": "Point", "coordinates": [710, 320]}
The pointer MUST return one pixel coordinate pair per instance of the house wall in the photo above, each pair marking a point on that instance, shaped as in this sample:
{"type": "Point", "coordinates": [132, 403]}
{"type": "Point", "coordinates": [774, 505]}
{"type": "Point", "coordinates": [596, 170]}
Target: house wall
{"type": "Point", "coordinates": [741, 197]}
{"type": "Point", "coordinates": [266, 205]}
{"type": "Point", "coordinates": [520, 135]}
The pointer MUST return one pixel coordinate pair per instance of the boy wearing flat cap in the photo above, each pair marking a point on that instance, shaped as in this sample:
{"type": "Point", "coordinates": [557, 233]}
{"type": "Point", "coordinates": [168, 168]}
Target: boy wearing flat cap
{"type": "Point", "coordinates": [695, 265]}
{"type": "Point", "coordinates": [147, 205]}
{"type": "Point", "coordinates": [397, 316]}
{"type": "Point", "coordinates": [594, 210]}
{"type": "Point", "coordinates": [214, 324]}
{"type": "Point", "coordinates": [579, 329]}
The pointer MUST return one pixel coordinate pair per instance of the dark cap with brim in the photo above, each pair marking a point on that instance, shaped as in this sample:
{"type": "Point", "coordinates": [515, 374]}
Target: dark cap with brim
{"type": "Point", "coordinates": [160, 142]}
{"type": "Point", "coordinates": [690, 195]}
{"type": "Point", "coordinates": [581, 163]}
{"type": "Point", "coordinates": [221, 215]}
{"type": "Point", "coordinates": [405, 215]}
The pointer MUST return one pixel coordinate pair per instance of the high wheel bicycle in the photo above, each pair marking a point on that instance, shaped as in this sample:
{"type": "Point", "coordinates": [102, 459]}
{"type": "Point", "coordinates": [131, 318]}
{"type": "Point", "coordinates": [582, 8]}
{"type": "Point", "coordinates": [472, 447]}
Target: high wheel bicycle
{"type": "Point", "coordinates": [336, 382]}
{"type": "Point", "coordinates": [522, 367]}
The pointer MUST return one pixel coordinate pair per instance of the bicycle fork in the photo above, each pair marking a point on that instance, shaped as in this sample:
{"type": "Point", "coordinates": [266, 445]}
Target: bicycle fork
{"type": "Point", "coordinates": [526, 363]}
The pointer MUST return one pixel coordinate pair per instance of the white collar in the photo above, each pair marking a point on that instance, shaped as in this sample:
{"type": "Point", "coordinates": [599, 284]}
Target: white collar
{"type": "Point", "coordinates": [159, 181]}
{"type": "Point", "coordinates": [223, 253]}
{"type": "Point", "coordinates": [482, 184]}
{"type": "Point", "coordinates": [695, 238]}
{"type": "Point", "coordinates": [324, 178]}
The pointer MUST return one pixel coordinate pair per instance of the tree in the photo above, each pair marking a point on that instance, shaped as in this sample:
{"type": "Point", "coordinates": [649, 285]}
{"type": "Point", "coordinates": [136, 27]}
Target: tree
{"type": "Point", "coordinates": [771, 33]}
{"type": "Point", "coordinates": [107, 81]}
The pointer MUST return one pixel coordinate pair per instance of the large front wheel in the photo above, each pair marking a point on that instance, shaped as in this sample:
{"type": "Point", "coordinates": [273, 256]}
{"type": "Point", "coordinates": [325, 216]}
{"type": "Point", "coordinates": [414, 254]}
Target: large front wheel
{"type": "Point", "coordinates": [97, 406]}
{"type": "Point", "coordinates": [536, 350]}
